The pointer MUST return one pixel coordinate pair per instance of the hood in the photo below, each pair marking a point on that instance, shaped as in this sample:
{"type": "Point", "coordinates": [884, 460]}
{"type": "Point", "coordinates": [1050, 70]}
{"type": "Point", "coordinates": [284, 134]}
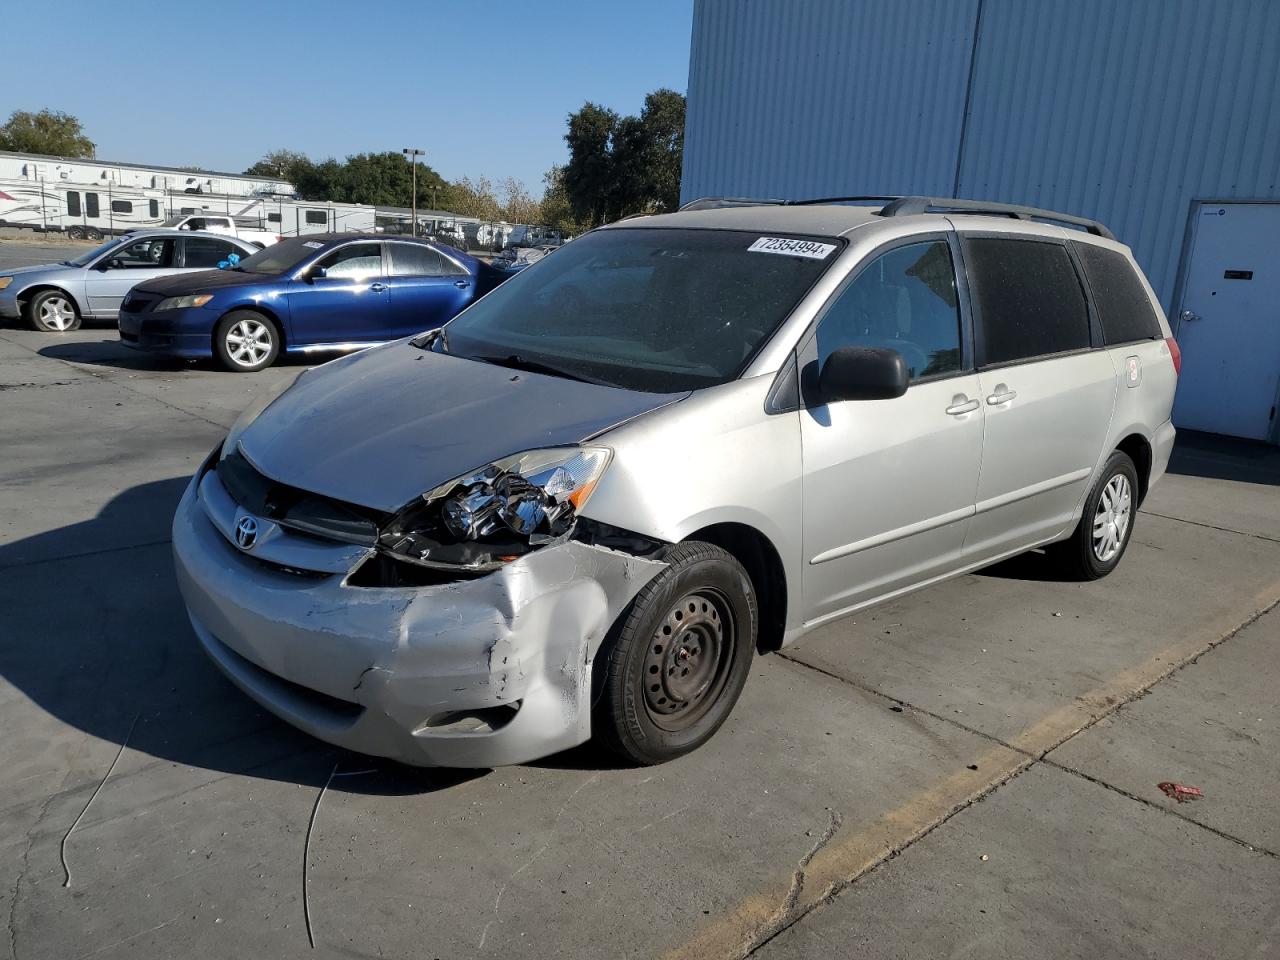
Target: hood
{"type": "Point", "coordinates": [25, 272]}
{"type": "Point", "coordinates": [381, 427]}
{"type": "Point", "coordinates": [206, 281]}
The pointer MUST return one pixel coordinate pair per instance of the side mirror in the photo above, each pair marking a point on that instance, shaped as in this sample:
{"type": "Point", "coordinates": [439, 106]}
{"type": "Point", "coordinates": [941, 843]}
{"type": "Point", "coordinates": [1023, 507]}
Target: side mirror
{"type": "Point", "coordinates": [315, 273]}
{"type": "Point", "coordinates": [863, 373]}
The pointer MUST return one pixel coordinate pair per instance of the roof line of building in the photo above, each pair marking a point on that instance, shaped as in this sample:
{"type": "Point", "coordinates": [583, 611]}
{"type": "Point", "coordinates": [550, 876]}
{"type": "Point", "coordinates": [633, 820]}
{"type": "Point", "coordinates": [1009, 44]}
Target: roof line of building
{"type": "Point", "coordinates": [142, 166]}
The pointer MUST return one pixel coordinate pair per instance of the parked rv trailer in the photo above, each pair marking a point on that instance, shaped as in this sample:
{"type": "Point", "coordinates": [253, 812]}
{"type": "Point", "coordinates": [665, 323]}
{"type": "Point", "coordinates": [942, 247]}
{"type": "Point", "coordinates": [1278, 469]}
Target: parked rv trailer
{"type": "Point", "coordinates": [92, 212]}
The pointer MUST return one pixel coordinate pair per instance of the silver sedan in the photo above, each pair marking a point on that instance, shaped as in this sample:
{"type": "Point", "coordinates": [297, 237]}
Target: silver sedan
{"type": "Point", "coordinates": [56, 297]}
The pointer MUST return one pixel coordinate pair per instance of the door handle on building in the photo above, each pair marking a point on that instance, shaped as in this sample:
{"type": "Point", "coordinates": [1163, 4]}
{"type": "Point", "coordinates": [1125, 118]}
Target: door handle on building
{"type": "Point", "coordinates": [960, 405]}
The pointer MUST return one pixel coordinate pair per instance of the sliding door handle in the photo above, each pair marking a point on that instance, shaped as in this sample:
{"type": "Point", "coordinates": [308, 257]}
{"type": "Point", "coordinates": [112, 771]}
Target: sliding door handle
{"type": "Point", "coordinates": [961, 405]}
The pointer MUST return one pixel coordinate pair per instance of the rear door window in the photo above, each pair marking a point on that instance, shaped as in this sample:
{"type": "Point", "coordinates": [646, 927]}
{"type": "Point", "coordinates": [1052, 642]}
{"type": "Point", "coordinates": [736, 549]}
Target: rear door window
{"type": "Point", "coordinates": [1124, 308]}
{"type": "Point", "coordinates": [419, 260]}
{"type": "Point", "coordinates": [1028, 299]}
{"type": "Point", "coordinates": [205, 253]}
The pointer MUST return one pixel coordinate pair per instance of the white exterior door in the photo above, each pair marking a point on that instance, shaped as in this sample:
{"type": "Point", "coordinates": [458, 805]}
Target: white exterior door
{"type": "Point", "coordinates": [1229, 325]}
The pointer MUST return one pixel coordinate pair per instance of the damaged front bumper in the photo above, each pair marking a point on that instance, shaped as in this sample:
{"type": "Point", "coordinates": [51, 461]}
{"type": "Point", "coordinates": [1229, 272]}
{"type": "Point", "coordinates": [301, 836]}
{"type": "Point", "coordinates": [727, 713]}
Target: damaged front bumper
{"type": "Point", "coordinates": [472, 673]}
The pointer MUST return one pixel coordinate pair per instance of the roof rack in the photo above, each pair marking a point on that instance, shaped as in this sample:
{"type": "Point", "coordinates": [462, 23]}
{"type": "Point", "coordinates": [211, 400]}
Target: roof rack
{"type": "Point", "coordinates": [817, 200]}
{"type": "Point", "coordinates": [905, 206]}
{"type": "Point", "coordinates": [717, 203]}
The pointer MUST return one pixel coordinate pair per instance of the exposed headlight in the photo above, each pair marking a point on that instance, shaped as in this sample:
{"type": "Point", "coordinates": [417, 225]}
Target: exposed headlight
{"type": "Point", "coordinates": [181, 303]}
{"type": "Point", "coordinates": [498, 513]}
{"type": "Point", "coordinates": [5, 281]}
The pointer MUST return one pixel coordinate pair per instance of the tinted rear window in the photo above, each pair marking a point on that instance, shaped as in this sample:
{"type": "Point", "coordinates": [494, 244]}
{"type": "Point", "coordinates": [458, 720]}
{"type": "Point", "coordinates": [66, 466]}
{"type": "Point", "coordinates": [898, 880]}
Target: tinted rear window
{"type": "Point", "coordinates": [1028, 298]}
{"type": "Point", "coordinates": [1122, 302]}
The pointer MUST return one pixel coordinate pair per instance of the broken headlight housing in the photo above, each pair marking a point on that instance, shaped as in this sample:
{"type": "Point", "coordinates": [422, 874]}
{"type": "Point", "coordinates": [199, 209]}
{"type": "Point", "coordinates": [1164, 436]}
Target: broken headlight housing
{"type": "Point", "coordinates": [496, 514]}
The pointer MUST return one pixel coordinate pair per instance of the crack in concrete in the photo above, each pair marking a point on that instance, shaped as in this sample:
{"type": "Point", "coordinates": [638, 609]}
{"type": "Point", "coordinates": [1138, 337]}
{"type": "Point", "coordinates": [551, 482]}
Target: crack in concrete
{"type": "Point", "coordinates": [1210, 526]}
{"type": "Point", "coordinates": [783, 916]}
{"type": "Point", "coordinates": [551, 834]}
{"type": "Point", "coordinates": [23, 866]}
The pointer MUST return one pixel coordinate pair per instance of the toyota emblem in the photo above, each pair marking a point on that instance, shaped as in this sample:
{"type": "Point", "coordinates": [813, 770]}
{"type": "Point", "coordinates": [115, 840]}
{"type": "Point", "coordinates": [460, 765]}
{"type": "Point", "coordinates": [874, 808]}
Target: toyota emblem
{"type": "Point", "coordinates": [246, 533]}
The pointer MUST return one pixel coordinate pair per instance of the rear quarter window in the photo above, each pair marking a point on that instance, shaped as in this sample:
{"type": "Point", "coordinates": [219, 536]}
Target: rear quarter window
{"type": "Point", "coordinates": [1118, 294]}
{"type": "Point", "coordinates": [1029, 299]}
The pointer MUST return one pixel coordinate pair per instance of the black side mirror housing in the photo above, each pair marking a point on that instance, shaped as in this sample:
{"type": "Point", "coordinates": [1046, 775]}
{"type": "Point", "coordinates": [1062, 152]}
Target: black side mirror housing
{"type": "Point", "coordinates": [863, 373]}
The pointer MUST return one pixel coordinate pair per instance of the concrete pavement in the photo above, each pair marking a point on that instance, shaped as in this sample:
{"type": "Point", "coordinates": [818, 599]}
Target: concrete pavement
{"type": "Point", "coordinates": [843, 810]}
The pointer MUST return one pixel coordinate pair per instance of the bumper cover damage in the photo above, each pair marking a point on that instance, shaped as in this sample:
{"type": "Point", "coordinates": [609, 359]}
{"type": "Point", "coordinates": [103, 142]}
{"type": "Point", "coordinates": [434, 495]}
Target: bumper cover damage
{"type": "Point", "coordinates": [471, 673]}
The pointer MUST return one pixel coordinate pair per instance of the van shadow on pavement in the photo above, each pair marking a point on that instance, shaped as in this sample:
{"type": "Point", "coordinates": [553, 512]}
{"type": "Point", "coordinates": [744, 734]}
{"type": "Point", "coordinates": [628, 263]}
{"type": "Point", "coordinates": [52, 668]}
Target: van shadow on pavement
{"type": "Point", "coordinates": [96, 635]}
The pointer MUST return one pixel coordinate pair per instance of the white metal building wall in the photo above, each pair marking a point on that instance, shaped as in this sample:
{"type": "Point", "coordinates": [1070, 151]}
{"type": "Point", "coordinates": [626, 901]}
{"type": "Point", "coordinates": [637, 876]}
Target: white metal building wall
{"type": "Point", "coordinates": [1123, 110]}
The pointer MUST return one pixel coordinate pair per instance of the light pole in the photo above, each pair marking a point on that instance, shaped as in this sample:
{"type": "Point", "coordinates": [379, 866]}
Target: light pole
{"type": "Point", "coordinates": [412, 154]}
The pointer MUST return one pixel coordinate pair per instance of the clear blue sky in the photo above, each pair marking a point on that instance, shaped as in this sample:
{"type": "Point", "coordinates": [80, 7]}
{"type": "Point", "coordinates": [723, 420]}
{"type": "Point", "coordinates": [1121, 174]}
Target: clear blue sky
{"type": "Point", "coordinates": [484, 87]}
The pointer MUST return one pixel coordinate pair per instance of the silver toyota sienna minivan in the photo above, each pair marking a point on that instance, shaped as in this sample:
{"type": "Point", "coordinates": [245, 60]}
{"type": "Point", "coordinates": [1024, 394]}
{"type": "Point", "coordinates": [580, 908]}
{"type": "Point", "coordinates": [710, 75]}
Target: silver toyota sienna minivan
{"type": "Point", "coordinates": [582, 506]}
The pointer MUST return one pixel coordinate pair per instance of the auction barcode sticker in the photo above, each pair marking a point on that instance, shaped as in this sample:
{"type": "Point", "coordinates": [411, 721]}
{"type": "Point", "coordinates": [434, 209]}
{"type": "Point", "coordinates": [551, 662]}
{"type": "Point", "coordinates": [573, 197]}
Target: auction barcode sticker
{"type": "Point", "coordinates": [792, 248]}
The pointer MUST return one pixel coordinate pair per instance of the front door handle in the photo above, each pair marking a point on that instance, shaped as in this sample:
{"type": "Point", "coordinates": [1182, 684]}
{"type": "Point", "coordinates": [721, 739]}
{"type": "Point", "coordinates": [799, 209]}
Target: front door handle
{"type": "Point", "coordinates": [960, 405]}
{"type": "Point", "coordinates": [377, 287]}
{"type": "Point", "coordinates": [462, 284]}
{"type": "Point", "coordinates": [1002, 395]}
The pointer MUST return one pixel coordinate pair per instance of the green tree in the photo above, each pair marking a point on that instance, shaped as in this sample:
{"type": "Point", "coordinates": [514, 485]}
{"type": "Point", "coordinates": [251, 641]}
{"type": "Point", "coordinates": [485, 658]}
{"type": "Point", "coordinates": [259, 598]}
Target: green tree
{"type": "Point", "coordinates": [473, 198]}
{"type": "Point", "coordinates": [55, 134]}
{"type": "Point", "coordinates": [384, 179]}
{"type": "Point", "coordinates": [557, 211]}
{"type": "Point", "coordinates": [620, 166]}
{"type": "Point", "coordinates": [519, 205]}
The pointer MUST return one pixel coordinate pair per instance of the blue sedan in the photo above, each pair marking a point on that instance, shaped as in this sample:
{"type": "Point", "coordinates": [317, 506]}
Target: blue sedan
{"type": "Point", "coordinates": [329, 292]}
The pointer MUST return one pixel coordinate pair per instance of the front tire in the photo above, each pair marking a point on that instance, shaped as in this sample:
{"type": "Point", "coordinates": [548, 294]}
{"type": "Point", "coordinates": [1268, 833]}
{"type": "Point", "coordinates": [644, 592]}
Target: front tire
{"type": "Point", "coordinates": [678, 657]}
{"type": "Point", "coordinates": [1106, 525]}
{"type": "Point", "coordinates": [245, 341]}
{"type": "Point", "coordinates": [52, 311]}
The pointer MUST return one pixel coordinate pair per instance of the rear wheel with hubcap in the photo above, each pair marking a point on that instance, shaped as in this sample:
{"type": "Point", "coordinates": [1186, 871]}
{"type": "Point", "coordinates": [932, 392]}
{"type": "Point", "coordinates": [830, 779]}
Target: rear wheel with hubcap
{"type": "Point", "coordinates": [676, 661]}
{"type": "Point", "coordinates": [1106, 525]}
{"type": "Point", "coordinates": [246, 341]}
{"type": "Point", "coordinates": [93, 233]}
{"type": "Point", "coordinates": [53, 311]}
{"type": "Point", "coordinates": [75, 233]}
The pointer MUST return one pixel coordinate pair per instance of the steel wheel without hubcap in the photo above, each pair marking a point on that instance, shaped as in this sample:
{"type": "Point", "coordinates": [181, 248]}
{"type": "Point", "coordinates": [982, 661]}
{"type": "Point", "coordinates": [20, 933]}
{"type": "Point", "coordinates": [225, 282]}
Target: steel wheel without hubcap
{"type": "Point", "coordinates": [1111, 521]}
{"type": "Point", "coordinates": [688, 661]}
{"type": "Point", "coordinates": [248, 342]}
{"type": "Point", "coordinates": [57, 313]}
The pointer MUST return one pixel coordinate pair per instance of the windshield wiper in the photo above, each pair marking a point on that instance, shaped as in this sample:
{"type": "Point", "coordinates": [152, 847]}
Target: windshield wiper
{"type": "Point", "coordinates": [517, 362]}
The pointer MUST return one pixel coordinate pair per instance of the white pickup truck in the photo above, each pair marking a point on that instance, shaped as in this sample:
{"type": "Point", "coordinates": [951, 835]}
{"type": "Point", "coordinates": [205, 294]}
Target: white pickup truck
{"type": "Point", "coordinates": [218, 223]}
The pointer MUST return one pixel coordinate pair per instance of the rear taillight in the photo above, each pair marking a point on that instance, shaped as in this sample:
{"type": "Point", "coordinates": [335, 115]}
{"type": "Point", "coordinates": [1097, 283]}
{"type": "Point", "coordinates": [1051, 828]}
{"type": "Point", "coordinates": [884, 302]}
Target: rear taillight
{"type": "Point", "coordinates": [1176, 354]}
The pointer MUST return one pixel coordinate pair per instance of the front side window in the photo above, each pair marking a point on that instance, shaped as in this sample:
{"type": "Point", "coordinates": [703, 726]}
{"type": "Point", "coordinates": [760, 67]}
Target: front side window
{"type": "Point", "coordinates": [652, 309]}
{"type": "Point", "coordinates": [353, 262]}
{"type": "Point", "coordinates": [904, 300]}
{"type": "Point", "coordinates": [90, 205]}
{"type": "Point", "coordinates": [195, 223]}
{"type": "Point", "coordinates": [1028, 297]}
{"type": "Point", "coordinates": [1123, 306]}
{"type": "Point", "coordinates": [419, 260]}
{"type": "Point", "coordinates": [143, 255]}
{"type": "Point", "coordinates": [205, 253]}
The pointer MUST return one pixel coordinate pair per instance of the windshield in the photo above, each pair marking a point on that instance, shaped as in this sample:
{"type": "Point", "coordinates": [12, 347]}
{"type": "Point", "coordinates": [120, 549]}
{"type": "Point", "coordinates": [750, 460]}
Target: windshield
{"type": "Point", "coordinates": [174, 221]}
{"type": "Point", "coordinates": [280, 257]}
{"type": "Point", "coordinates": [87, 258]}
{"type": "Point", "coordinates": [657, 310]}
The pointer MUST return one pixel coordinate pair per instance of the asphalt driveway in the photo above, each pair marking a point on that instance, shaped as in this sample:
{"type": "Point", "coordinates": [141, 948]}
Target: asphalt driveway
{"type": "Point", "coordinates": [971, 770]}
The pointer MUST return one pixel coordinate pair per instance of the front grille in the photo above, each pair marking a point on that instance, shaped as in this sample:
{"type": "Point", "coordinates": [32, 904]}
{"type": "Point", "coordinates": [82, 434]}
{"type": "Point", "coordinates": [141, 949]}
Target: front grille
{"type": "Point", "coordinates": [136, 303]}
{"type": "Point", "coordinates": [298, 510]}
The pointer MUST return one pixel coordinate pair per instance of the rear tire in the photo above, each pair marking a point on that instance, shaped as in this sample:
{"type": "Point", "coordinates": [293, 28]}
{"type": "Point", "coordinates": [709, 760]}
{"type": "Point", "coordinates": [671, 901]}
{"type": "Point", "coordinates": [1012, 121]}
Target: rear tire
{"type": "Point", "coordinates": [1106, 525]}
{"type": "Point", "coordinates": [75, 233]}
{"type": "Point", "coordinates": [52, 311]}
{"type": "Point", "coordinates": [678, 656]}
{"type": "Point", "coordinates": [245, 341]}
{"type": "Point", "coordinates": [94, 234]}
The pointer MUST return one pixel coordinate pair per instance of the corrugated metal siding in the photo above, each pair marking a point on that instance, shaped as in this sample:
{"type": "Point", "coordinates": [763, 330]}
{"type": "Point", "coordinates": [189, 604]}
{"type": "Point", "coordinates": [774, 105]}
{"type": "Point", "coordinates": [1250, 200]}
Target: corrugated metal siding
{"type": "Point", "coordinates": [1125, 110]}
{"type": "Point", "coordinates": [822, 97]}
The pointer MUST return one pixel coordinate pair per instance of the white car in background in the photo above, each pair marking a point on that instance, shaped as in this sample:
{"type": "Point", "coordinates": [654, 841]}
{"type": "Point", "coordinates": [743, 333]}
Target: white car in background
{"type": "Point", "coordinates": [225, 225]}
